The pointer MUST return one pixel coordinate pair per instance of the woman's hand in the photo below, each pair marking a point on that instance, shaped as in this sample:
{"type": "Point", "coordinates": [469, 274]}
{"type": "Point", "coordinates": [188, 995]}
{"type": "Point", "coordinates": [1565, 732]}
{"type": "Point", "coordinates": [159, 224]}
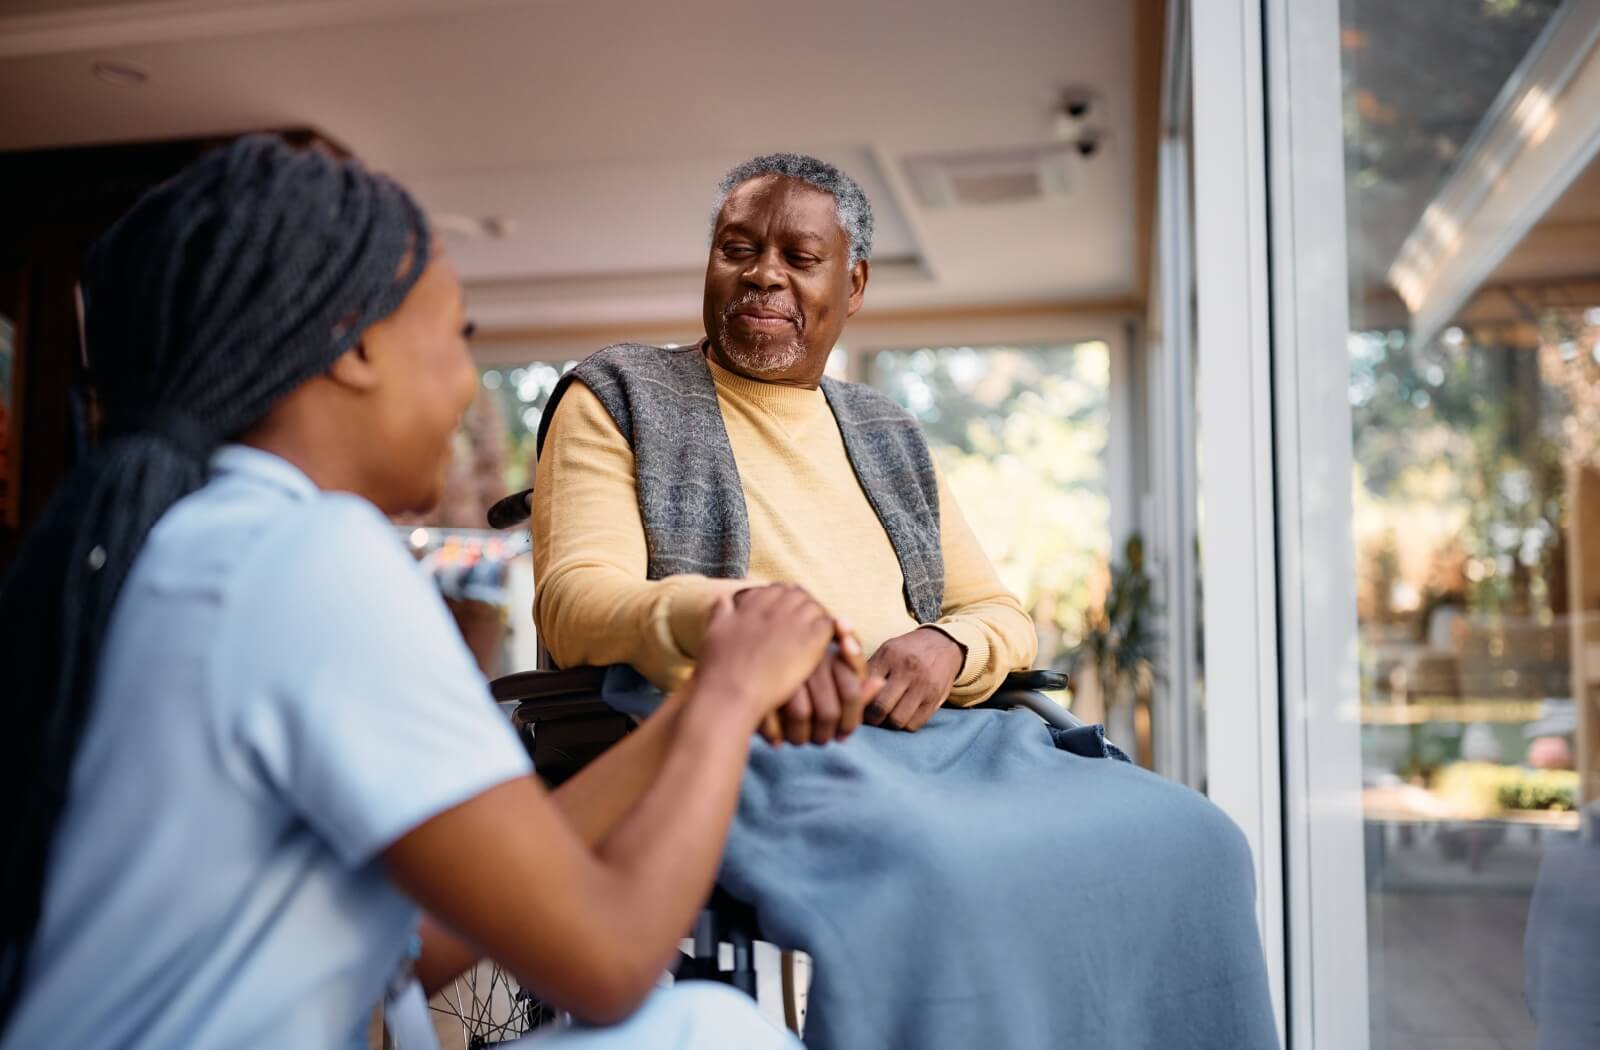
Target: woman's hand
{"type": "Point", "coordinates": [760, 648]}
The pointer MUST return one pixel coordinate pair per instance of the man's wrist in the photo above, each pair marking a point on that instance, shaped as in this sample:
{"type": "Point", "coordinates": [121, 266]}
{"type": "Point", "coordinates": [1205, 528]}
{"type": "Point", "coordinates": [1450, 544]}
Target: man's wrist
{"type": "Point", "coordinates": [957, 647]}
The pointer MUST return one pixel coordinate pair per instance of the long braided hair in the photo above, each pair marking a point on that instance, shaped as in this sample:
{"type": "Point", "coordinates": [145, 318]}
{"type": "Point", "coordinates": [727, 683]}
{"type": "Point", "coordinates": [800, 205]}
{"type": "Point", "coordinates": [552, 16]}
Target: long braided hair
{"type": "Point", "coordinates": [216, 295]}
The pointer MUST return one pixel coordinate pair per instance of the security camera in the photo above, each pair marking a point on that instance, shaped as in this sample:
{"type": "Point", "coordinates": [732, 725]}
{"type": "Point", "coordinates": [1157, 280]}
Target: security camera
{"type": "Point", "coordinates": [1076, 102]}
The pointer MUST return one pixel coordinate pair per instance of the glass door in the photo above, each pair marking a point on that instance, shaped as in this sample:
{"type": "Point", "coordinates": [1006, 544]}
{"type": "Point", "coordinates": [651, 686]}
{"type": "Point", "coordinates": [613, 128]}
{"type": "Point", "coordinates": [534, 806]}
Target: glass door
{"type": "Point", "coordinates": [1430, 272]}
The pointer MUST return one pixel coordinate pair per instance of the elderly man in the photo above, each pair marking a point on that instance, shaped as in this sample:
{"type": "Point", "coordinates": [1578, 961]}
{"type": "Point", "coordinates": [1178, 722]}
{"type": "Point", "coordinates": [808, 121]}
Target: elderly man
{"type": "Point", "coordinates": [811, 457]}
{"type": "Point", "coordinates": [984, 880]}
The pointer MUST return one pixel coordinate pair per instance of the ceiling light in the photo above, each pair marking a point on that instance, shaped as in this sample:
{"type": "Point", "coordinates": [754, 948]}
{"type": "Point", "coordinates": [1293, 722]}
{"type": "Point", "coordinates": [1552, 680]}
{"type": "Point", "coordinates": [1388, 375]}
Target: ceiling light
{"type": "Point", "coordinates": [122, 74]}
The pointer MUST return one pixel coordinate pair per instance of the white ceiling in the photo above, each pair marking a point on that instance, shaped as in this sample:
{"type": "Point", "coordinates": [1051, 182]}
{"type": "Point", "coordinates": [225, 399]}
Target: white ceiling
{"type": "Point", "coordinates": [599, 129]}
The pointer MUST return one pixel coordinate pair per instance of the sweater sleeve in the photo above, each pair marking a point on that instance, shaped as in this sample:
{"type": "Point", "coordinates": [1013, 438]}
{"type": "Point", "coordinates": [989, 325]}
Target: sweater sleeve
{"type": "Point", "coordinates": [979, 613]}
{"type": "Point", "coordinates": [592, 602]}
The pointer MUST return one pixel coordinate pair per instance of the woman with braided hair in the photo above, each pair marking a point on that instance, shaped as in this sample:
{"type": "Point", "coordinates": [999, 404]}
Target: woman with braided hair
{"type": "Point", "coordinates": [245, 748]}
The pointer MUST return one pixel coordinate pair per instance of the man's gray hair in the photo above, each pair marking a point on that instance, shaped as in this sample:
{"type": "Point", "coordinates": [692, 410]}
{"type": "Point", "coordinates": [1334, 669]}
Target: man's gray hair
{"type": "Point", "coordinates": [854, 210]}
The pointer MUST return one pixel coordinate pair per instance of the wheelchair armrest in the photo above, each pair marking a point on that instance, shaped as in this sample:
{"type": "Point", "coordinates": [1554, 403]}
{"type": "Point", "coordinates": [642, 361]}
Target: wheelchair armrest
{"type": "Point", "coordinates": [1039, 679]}
{"type": "Point", "coordinates": [540, 685]}
{"type": "Point", "coordinates": [1038, 703]}
{"type": "Point", "coordinates": [1022, 689]}
{"type": "Point", "coordinates": [550, 695]}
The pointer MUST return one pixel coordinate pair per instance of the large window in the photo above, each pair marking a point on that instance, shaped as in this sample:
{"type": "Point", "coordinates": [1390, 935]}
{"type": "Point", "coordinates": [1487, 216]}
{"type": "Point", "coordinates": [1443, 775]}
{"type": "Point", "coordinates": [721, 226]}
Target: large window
{"type": "Point", "coordinates": [493, 452]}
{"type": "Point", "coordinates": [1472, 372]}
{"type": "Point", "coordinates": [1021, 435]}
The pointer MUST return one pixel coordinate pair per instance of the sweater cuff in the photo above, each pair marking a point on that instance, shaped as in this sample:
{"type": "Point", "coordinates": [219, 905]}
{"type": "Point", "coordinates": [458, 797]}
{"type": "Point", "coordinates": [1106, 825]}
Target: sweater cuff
{"type": "Point", "coordinates": [974, 642]}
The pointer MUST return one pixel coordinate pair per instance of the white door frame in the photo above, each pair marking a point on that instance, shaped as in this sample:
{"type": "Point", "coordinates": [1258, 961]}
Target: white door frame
{"type": "Point", "coordinates": [1170, 424]}
{"type": "Point", "coordinates": [1324, 859]}
{"type": "Point", "coordinates": [1238, 558]}
{"type": "Point", "coordinates": [1282, 712]}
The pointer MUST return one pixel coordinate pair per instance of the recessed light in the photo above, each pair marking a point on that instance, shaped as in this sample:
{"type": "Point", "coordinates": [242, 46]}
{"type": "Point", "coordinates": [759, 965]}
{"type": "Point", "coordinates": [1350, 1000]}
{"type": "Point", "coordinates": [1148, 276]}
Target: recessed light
{"type": "Point", "coordinates": [122, 74]}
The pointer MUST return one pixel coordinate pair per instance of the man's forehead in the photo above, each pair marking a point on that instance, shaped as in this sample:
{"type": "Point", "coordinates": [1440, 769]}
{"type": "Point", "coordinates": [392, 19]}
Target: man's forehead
{"type": "Point", "coordinates": [797, 205]}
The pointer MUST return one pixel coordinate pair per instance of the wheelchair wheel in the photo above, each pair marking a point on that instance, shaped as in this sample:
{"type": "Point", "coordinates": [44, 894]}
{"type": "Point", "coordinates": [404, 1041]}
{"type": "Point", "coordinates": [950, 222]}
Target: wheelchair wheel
{"type": "Point", "coordinates": [491, 1007]}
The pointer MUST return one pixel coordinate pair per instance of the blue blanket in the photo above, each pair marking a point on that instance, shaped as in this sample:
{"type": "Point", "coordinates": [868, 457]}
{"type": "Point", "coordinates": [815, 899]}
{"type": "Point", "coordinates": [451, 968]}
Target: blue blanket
{"type": "Point", "coordinates": [978, 886]}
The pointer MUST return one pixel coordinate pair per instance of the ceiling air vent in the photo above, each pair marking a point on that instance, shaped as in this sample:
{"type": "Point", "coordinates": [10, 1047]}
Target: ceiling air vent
{"type": "Point", "coordinates": [974, 177]}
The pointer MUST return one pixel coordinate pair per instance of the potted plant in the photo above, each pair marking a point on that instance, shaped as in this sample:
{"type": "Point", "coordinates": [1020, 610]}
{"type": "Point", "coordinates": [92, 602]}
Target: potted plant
{"type": "Point", "coordinates": [1116, 658]}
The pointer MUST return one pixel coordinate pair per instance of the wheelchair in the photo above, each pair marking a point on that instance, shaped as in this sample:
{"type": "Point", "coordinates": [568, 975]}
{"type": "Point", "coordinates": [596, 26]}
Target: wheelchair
{"type": "Point", "coordinates": [564, 723]}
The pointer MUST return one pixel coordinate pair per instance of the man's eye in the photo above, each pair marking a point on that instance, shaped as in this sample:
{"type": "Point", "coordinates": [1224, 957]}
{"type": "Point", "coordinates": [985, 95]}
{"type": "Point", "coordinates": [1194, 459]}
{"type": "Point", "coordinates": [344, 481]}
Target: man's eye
{"type": "Point", "coordinates": [469, 329]}
{"type": "Point", "coordinates": [800, 259]}
{"type": "Point", "coordinates": [738, 251]}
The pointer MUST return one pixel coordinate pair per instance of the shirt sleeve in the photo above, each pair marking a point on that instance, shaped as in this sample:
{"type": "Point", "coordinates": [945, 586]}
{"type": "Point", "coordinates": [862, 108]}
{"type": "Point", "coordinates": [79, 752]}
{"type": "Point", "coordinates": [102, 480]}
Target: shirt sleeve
{"type": "Point", "coordinates": [592, 601]}
{"type": "Point", "coordinates": [979, 613]}
{"type": "Point", "coordinates": [373, 717]}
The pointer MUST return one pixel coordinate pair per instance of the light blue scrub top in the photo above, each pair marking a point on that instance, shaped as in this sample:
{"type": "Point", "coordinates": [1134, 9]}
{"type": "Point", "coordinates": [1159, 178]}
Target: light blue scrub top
{"type": "Point", "coordinates": [282, 694]}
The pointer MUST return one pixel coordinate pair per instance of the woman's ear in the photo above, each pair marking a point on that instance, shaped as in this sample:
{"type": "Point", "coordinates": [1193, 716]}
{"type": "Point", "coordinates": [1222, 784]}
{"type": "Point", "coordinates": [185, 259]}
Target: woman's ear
{"type": "Point", "coordinates": [354, 369]}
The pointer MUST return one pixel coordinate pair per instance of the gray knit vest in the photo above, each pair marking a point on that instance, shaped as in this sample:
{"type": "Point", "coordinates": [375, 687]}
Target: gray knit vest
{"type": "Point", "coordinates": [690, 495]}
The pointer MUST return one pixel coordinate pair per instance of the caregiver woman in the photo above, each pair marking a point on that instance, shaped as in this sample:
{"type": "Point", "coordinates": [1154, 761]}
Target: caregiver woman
{"type": "Point", "coordinates": [244, 744]}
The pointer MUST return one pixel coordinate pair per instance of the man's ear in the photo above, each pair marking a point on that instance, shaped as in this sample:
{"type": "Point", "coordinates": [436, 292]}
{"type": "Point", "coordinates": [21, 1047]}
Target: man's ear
{"type": "Point", "coordinates": [354, 369]}
{"type": "Point", "coordinates": [858, 286]}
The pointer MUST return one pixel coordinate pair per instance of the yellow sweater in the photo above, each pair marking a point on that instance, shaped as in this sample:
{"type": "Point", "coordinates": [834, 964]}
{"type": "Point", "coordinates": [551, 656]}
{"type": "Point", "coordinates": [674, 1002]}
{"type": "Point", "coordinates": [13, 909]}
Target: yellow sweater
{"type": "Point", "coordinates": [810, 524]}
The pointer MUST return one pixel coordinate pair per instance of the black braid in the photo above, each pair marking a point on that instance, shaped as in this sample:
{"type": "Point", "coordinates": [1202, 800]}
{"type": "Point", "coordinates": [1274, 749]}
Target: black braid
{"type": "Point", "coordinates": [219, 293]}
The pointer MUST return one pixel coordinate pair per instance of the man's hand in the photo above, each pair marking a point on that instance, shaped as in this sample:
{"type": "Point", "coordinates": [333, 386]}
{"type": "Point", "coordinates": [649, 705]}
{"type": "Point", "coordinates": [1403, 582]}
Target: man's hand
{"type": "Point", "coordinates": [918, 670]}
{"type": "Point", "coordinates": [761, 650]}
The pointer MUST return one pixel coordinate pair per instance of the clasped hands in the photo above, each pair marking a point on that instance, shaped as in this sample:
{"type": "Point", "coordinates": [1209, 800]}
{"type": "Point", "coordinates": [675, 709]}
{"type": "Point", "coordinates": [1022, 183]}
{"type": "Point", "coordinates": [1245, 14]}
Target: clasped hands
{"type": "Point", "coordinates": [899, 687]}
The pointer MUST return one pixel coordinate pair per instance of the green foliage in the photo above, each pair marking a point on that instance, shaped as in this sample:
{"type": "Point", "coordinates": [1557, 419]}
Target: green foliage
{"type": "Point", "coordinates": [1119, 635]}
{"type": "Point", "coordinates": [1559, 797]}
{"type": "Point", "coordinates": [1021, 436]}
{"type": "Point", "coordinates": [1469, 425]}
{"type": "Point", "coordinates": [522, 394]}
{"type": "Point", "coordinates": [1486, 787]}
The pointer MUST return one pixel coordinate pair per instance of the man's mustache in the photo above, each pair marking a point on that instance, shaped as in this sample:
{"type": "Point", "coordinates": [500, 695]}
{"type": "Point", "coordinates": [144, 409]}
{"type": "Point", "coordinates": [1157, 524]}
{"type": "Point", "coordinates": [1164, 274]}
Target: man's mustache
{"type": "Point", "coordinates": [757, 301]}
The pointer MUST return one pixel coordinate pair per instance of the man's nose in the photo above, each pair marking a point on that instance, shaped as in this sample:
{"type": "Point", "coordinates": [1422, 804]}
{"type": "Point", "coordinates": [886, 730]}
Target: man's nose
{"type": "Point", "coordinates": [766, 271]}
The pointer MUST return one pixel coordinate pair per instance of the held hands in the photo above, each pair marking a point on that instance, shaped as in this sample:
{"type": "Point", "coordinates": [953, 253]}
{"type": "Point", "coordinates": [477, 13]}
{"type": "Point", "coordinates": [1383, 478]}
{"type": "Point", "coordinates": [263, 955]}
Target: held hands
{"type": "Point", "coordinates": [831, 702]}
{"type": "Point", "coordinates": [828, 699]}
{"type": "Point", "coordinates": [762, 644]}
{"type": "Point", "coordinates": [803, 674]}
{"type": "Point", "coordinates": [918, 670]}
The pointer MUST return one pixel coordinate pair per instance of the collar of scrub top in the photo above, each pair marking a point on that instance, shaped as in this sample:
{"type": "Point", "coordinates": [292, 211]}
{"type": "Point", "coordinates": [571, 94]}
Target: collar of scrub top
{"type": "Point", "coordinates": [265, 467]}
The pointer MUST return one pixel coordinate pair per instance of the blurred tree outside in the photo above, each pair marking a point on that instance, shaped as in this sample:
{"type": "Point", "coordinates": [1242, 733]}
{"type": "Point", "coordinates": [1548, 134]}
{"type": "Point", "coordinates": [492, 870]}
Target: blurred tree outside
{"type": "Point", "coordinates": [1458, 484]}
{"type": "Point", "coordinates": [1458, 490]}
{"type": "Point", "coordinates": [1021, 433]}
{"type": "Point", "coordinates": [522, 394]}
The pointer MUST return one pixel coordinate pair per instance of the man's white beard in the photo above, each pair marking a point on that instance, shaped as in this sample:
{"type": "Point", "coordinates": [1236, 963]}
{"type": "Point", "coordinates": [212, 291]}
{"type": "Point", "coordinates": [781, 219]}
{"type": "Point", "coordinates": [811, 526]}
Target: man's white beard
{"type": "Point", "coordinates": [765, 355]}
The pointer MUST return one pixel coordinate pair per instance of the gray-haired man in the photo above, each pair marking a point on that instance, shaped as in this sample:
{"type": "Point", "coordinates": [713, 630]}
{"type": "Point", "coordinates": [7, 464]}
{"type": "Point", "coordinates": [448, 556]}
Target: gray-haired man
{"type": "Point", "coordinates": [668, 478]}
